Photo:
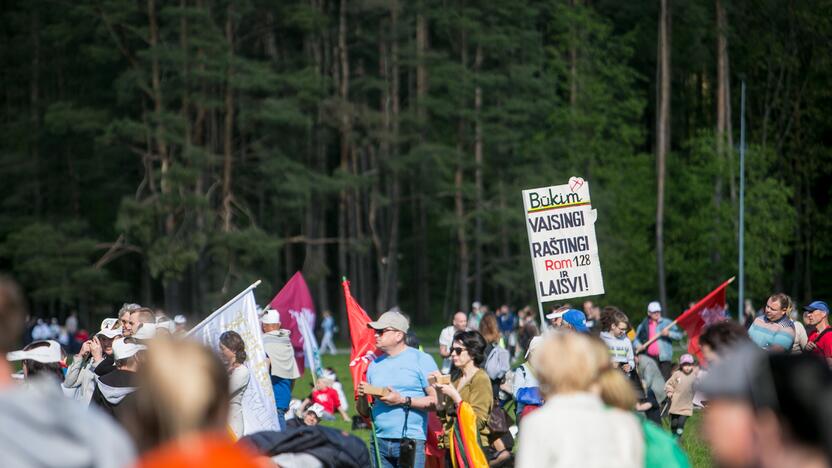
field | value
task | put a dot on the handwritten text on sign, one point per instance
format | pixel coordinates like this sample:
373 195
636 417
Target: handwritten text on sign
561 226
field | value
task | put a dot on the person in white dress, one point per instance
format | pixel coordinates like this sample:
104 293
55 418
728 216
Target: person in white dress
233 352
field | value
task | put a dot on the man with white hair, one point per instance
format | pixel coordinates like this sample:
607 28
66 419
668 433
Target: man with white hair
284 369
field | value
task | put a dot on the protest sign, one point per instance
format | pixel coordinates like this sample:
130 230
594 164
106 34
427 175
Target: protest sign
240 315
561 226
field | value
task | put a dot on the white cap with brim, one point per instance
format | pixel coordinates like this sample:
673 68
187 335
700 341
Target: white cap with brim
391 319
123 350
316 408
45 354
270 317
108 323
145 332
654 307
109 332
180 320
556 314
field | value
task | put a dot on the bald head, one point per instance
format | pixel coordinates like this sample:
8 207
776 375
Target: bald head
460 321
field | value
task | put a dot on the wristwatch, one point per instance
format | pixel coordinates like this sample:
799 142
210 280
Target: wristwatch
407 402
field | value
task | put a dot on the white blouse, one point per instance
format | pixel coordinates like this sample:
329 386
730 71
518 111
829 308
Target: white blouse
238 381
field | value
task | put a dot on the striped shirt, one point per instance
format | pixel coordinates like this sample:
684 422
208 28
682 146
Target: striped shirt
766 333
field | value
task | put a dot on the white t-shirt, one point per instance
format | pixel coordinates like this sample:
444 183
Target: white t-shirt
446 339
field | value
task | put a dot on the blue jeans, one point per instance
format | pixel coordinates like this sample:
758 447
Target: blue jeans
388 450
281 417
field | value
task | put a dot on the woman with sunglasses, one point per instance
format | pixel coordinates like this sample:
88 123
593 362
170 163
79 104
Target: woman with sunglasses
470 385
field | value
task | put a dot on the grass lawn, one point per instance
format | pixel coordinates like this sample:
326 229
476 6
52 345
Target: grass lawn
692 443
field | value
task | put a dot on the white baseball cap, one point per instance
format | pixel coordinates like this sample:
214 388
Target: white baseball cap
556 314
123 350
654 307
45 354
108 323
180 320
316 408
109 332
145 332
271 316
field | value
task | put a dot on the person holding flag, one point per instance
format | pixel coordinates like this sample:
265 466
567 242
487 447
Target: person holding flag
400 417
284 369
655 336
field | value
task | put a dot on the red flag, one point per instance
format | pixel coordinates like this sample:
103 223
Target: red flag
710 309
295 297
363 339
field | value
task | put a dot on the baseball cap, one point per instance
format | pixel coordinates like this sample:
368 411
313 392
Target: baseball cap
391 319
654 307
123 350
577 319
145 332
817 305
180 320
317 409
108 323
45 354
686 359
271 316
109 332
556 314
534 344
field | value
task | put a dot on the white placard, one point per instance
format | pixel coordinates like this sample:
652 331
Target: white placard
561 225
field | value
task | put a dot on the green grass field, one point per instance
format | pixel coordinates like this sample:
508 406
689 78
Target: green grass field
692 442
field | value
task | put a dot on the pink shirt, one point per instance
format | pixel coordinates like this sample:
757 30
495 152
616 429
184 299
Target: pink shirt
653 349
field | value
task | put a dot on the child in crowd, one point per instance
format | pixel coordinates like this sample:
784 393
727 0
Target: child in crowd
615 337
679 389
326 396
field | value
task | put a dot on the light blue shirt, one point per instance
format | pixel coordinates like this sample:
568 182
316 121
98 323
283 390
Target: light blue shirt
406 373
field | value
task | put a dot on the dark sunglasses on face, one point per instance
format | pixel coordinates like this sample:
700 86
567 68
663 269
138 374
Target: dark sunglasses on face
383 331
457 350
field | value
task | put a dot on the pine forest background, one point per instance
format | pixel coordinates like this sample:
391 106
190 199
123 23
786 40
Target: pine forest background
172 152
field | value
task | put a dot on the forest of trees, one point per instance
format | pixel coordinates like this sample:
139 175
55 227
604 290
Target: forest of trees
172 152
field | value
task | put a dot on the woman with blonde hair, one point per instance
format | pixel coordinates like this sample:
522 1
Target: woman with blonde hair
579 382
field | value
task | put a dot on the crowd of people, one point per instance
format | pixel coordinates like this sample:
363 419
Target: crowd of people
586 388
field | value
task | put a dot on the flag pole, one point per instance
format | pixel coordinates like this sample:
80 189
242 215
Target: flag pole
225 306
657 336
741 260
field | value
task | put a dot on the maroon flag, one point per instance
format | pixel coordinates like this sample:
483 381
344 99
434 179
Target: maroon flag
294 303
362 337
710 309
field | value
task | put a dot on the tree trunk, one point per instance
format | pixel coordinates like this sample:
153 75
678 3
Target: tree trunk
662 139
422 265
478 189
228 134
34 110
342 73
459 206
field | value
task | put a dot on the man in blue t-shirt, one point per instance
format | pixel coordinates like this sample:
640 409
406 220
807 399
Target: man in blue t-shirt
403 371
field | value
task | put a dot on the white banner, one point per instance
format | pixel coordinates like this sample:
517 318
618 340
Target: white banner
310 344
561 225
240 315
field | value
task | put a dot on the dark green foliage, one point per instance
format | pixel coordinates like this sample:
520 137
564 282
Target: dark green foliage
123 179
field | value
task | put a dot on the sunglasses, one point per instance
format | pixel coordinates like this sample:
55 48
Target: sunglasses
457 350
385 330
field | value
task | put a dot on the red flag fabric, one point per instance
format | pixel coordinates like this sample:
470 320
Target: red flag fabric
708 310
363 339
295 297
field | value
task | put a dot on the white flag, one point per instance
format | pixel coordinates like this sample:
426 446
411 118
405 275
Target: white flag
240 315
310 344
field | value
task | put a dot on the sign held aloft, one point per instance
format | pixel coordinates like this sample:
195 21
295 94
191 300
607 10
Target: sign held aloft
561 225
